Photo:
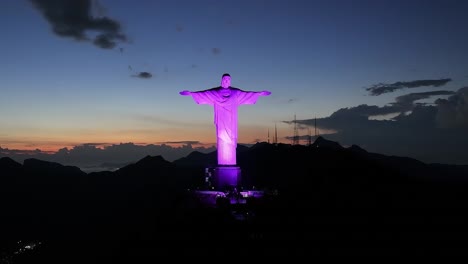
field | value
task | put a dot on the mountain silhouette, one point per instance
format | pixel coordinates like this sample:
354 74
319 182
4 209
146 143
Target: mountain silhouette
357 149
148 163
321 142
8 163
9 167
47 167
198 159
338 199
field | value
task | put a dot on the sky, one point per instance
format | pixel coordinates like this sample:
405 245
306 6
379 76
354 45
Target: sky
389 76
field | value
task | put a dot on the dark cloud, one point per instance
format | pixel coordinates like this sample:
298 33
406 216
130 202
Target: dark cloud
365 111
187 142
286 100
216 51
408 100
104 41
299 124
381 88
73 18
453 111
94 144
179 28
428 132
143 75
100 9
402 104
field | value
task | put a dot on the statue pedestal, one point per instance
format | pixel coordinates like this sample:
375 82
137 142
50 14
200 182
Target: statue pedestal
226 177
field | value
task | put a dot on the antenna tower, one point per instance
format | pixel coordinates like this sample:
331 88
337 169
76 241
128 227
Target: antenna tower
315 125
296 133
275 139
268 136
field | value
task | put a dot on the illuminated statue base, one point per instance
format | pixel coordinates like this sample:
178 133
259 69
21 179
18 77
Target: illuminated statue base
223 188
226 177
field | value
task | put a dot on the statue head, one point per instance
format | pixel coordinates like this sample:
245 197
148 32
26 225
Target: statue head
226 80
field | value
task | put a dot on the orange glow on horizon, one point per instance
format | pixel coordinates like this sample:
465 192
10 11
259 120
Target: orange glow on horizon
52 147
248 134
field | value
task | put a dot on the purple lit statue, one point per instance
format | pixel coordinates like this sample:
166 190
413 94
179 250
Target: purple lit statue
225 100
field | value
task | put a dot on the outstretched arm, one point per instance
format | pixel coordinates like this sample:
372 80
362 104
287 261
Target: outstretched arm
248 97
201 97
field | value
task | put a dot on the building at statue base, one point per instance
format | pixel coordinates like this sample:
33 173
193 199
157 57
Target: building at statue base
223 187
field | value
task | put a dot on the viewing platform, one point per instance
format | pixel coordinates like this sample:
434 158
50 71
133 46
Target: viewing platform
215 198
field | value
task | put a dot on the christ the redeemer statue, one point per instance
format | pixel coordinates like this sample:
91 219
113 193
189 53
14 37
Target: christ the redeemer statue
225 100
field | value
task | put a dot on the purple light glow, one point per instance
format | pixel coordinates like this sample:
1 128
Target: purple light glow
227 176
225 100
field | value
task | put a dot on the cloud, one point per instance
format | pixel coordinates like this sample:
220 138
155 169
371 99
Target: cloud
365 111
299 124
143 75
72 19
186 142
300 138
179 28
453 111
428 132
381 88
94 144
229 22
408 100
216 51
286 100
402 104
88 156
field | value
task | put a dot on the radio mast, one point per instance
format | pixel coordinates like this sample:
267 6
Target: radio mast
296 132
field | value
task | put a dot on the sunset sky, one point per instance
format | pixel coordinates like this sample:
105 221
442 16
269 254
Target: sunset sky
109 72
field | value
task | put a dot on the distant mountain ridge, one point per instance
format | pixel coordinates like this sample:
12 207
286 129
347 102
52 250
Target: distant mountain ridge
199 159
324 190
